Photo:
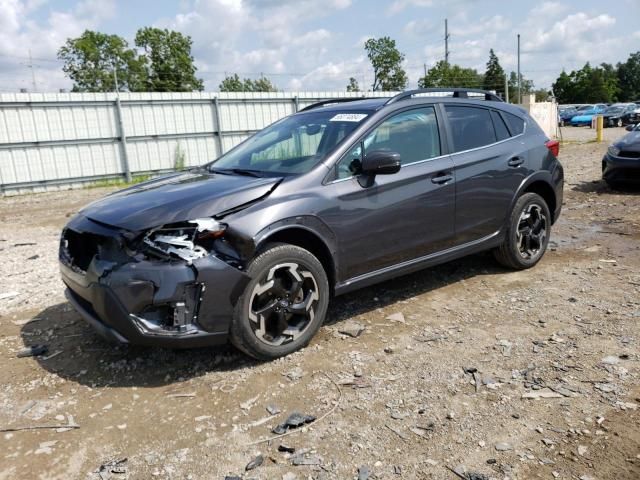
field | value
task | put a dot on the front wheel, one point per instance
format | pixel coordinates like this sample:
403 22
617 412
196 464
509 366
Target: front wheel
527 236
283 305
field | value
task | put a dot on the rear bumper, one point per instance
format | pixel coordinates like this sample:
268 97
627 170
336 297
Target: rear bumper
155 303
621 170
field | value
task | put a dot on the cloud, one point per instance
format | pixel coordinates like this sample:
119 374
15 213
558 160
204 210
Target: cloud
419 28
280 45
399 5
21 34
483 26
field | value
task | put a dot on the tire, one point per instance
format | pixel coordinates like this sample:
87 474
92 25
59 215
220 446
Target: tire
525 240
612 184
283 305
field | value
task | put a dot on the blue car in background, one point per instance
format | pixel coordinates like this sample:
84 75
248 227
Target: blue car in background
585 115
565 115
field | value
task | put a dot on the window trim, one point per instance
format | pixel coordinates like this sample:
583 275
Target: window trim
442 136
524 130
504 119
493 113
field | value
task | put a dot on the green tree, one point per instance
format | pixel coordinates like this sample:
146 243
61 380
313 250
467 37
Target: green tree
563 89
588 85
353 85
526 86
169 62
232 83
386 61
542 95
262 84
494 76
629 78
444 74
90 60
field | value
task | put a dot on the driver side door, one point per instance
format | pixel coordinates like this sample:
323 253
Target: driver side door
399 217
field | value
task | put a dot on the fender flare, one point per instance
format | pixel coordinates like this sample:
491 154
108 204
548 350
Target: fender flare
543 176
308 223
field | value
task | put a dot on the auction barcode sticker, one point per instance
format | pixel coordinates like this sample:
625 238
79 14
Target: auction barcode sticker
348 117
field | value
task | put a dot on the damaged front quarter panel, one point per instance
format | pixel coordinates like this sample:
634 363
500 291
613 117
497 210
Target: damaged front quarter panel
168 283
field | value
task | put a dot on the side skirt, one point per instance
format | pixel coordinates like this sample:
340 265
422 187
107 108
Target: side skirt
420 263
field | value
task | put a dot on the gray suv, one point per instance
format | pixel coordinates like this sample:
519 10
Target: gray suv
343 194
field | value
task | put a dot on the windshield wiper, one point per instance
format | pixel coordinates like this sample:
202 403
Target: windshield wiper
237 171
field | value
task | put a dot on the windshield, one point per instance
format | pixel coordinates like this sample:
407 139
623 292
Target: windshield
614 110
292 145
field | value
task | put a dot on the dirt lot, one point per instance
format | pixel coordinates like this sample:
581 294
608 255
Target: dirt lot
399 401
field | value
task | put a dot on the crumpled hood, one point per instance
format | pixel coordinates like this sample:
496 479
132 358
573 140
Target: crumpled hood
177 197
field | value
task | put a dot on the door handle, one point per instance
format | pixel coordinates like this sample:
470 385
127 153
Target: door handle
515 161
442 178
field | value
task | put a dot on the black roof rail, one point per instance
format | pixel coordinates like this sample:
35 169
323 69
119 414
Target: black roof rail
329 102
456 93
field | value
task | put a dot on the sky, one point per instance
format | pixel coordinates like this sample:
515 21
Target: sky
317 45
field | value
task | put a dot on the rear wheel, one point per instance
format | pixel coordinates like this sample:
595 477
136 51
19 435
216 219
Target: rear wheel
284 304
527 233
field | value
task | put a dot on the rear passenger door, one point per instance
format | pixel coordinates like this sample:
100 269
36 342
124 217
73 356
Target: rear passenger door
490 162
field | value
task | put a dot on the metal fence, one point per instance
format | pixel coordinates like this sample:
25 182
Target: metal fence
53 141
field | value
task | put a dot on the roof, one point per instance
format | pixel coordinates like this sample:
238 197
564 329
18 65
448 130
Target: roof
374 104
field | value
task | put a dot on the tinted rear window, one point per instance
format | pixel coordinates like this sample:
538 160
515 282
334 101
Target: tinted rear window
515 124
471 127
501 129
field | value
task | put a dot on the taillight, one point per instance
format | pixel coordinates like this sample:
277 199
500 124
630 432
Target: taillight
553 146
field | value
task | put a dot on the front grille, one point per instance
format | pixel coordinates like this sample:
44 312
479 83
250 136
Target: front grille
629 154
78 249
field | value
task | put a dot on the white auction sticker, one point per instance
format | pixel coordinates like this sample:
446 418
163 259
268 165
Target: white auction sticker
348 117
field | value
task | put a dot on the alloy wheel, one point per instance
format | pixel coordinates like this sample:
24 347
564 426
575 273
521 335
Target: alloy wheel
283 304
532 231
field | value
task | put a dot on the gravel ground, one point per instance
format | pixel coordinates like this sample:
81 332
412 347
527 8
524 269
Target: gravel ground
465 367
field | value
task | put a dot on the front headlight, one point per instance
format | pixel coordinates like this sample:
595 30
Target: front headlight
613 150
185 240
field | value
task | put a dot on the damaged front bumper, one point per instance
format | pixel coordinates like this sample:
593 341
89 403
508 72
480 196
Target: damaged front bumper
145 301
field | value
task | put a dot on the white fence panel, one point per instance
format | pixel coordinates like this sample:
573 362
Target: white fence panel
53 141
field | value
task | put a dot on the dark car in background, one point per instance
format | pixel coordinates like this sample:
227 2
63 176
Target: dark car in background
341 195
634 117
619 115
621 163
566 114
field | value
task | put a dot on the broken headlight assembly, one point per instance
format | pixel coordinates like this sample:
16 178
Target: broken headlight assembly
188 240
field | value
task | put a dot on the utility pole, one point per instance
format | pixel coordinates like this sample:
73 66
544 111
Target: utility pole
425 69
519 77
506 88
115 77
33 73
446 41
123 135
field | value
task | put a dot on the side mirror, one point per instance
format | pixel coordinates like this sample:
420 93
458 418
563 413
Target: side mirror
629 128
380 162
